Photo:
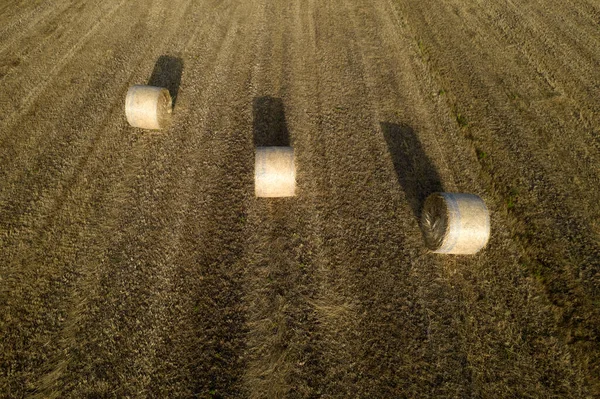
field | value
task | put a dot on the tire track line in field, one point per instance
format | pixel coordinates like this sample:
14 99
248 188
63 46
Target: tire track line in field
56 138
39 40
21 168
540 141
575 52
9 5
61 154
43 230
64 60
351 178
68 337
329 313
33 62
499 128
119 114
164 286
567 108
21 162
426 285
487 269
208 329
283 339
559 119
17 22
271 336
336 312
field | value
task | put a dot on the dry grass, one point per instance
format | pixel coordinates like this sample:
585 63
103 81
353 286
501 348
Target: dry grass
138 265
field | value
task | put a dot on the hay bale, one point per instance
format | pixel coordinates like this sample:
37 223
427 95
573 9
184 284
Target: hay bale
148 107
455 223
274 172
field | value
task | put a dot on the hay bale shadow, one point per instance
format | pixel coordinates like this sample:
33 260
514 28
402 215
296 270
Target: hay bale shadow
269 126
167 73
417 175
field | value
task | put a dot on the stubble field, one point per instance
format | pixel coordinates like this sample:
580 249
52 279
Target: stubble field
140 264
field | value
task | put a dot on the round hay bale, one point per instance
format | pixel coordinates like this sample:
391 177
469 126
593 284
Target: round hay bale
274 172
148 107
455 223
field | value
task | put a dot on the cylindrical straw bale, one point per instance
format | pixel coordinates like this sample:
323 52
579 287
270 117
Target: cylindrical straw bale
455 223
148 107
274 172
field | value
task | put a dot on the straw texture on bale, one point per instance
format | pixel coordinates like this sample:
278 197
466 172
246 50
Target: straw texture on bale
455 223
148 107
274 172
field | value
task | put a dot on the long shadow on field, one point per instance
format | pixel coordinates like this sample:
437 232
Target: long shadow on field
416 173
167 73
270 128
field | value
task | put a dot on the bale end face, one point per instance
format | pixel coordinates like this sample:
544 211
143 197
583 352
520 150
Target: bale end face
274 172
148 107
455 223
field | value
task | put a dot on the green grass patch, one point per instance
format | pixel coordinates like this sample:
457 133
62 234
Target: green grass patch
481 155
461 120
511 200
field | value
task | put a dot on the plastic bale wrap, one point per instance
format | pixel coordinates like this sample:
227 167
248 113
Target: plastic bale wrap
455 223
148 107
274 172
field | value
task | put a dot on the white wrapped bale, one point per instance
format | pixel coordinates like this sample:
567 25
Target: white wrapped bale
455 223
148 107
274 172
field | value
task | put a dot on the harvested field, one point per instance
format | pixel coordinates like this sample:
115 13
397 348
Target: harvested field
140 264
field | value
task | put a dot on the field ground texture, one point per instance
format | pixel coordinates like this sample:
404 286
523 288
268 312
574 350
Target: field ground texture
139 264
